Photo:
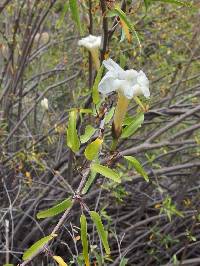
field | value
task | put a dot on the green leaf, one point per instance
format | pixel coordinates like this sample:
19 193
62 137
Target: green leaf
62 15
95 92
85 111
122 60
8 264
132 127
89 132
72 136
123 262
101 231
105 171
109 115
117 11
84 240
55 210
92 150
89 182
36 246
138 167
147 3
73 4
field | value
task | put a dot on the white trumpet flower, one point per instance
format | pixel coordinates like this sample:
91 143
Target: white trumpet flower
45 104
128 84
92 43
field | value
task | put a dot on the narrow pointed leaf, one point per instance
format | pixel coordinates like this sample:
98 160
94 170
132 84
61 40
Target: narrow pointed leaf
60 261
105 171
84 240
126 30
123 262
103 234
55 210
138 167
89 132
73 4
36 246
92 150
73 141
62 15
109 115
147 3
95 92
133 126
123 17
89 182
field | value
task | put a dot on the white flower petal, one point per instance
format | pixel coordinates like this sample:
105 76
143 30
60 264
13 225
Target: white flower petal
131 75
112 66
130 82
144 83
128 90
106 85
90 42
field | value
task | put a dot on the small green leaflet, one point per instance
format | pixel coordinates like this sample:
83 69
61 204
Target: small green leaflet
89 182
36 246
8 264
95 92
133 126
73 4
103 234
138 167
92 149
73 141
89 132
105 171
84 240
55 210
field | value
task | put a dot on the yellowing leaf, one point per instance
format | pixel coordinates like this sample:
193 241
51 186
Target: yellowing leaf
60 261
126 30
92 149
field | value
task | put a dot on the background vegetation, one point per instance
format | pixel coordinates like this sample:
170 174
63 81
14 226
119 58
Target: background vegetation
148 223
